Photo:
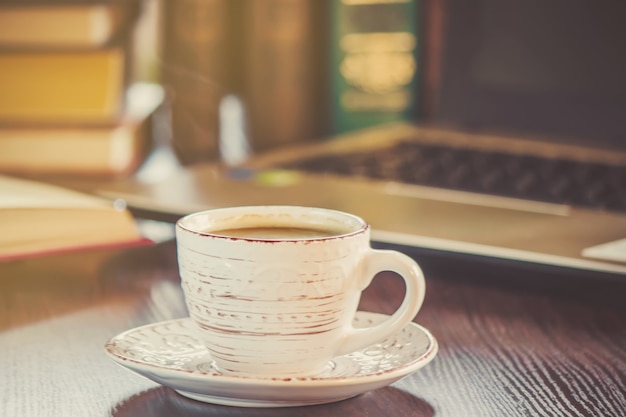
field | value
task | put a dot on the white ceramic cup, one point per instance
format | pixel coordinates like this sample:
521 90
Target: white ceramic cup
283 307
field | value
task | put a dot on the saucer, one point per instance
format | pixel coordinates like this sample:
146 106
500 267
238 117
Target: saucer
170 353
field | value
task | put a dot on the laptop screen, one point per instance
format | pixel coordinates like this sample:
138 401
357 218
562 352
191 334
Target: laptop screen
551 68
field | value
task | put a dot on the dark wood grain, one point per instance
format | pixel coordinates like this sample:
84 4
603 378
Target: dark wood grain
514 341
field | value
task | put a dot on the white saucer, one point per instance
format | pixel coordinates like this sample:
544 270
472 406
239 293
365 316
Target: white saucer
170 354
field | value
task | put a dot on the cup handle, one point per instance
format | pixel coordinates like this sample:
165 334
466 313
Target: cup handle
387 260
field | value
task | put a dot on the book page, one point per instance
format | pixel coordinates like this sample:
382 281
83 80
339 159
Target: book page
21 193
610 251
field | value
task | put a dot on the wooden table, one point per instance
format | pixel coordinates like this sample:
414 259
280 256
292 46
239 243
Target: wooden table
514 340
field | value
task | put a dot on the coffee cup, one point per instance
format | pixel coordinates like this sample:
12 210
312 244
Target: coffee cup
273 290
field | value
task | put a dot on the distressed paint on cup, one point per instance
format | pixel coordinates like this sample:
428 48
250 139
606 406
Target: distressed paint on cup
284 307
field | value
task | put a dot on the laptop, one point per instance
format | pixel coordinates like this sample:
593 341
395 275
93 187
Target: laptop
590 235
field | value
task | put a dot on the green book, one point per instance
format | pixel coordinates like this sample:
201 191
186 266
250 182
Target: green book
374 68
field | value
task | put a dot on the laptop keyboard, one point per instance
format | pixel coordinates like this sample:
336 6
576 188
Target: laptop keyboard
590 185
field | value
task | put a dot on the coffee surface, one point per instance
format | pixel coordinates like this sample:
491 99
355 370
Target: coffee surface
277 232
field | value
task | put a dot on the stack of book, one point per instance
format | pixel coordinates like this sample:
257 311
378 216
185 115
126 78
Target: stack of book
303 69
67 101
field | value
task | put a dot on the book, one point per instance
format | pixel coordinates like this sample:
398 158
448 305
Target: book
64 23
195 71
38 219
432 27
374 68
116 147
85 85
284 85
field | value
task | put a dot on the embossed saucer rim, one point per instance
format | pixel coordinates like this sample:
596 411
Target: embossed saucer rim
395 373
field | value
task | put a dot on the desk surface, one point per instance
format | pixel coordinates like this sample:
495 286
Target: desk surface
512 342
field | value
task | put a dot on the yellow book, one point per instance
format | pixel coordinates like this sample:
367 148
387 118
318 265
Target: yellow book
62 86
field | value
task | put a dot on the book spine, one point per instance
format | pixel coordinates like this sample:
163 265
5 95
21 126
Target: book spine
195 73
49 86
66 25
374 68
432 26
283 85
